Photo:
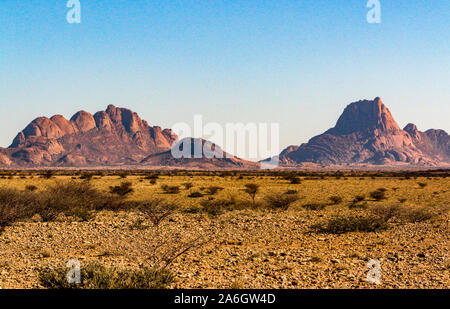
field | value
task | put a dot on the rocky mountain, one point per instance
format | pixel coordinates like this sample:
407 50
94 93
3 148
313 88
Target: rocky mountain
197 153
366 133
116 136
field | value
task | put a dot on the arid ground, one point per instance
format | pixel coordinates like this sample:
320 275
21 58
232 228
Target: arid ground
316 230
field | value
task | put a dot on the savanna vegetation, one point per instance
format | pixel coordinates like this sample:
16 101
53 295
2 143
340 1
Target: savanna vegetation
164 221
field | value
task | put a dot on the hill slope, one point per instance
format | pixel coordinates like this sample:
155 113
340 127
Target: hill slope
366 132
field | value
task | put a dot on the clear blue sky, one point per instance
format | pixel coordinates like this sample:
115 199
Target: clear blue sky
294 62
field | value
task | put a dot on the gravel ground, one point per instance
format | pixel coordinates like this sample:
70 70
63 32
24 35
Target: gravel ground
246 249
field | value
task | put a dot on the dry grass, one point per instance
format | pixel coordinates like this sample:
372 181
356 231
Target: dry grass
243 212
96 276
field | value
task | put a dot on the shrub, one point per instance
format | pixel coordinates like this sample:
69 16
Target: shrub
188 185
212 190
195 195
422 184
216 207
70 198
402 213
295 181
358 206
123 175
314 206
48 174
386 212
291 192
76 199
157 210
335 200
378 195
124 189
151 177
359 198
416 215
31 188
345 224
138 224
87 176
15 205
97 276
170 189
252 189
281 201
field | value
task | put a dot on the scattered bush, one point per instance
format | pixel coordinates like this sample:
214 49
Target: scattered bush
358 206
188 185
291 192
170 189
359 198
345 224
157 210
74 199
195 195
402 213
87 176
314 206
335 200
215 207
212 190
378 195
422 184
124 189
252 189
96 276
77 199
296 181
15 205
280 201
48 174
417 215
31 188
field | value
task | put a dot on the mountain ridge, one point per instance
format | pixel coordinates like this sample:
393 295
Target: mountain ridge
366 133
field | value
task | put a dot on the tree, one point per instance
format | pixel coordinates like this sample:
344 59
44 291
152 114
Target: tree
252 189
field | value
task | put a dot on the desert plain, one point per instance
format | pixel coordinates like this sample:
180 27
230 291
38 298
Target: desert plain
232 229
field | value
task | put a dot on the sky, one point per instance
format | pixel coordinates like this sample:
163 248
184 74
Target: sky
296 63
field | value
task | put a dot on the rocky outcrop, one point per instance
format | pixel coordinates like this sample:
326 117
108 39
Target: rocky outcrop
116 136
367 133
195 153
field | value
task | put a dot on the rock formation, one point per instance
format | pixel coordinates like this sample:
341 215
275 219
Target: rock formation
367 133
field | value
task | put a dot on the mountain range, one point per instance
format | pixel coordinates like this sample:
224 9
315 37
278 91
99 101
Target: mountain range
366 133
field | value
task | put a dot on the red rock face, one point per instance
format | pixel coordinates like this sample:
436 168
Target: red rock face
113 137
366 132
